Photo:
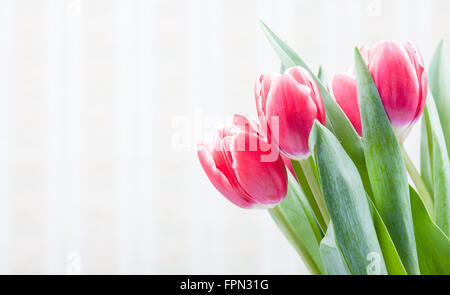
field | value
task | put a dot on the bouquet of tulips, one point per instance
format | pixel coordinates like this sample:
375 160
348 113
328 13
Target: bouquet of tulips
328 162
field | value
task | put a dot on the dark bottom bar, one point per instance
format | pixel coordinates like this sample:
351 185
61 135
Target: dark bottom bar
202 284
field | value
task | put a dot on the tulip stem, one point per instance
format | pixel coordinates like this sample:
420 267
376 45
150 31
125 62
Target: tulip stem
418 182
308 170
308 193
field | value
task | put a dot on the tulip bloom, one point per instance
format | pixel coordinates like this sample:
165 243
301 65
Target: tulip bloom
399 75
287 106
234 162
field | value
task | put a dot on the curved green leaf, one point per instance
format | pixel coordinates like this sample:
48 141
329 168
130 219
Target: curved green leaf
394 264
346 201
439 83
440 165
425 156
296 220
322 77
433 247
385 167
332 257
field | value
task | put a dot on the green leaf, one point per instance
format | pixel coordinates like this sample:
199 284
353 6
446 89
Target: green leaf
346 201
296 221
440 167
394 264
433 247
282 68
332 257
418 182
322 77
385 167
425 157
439 83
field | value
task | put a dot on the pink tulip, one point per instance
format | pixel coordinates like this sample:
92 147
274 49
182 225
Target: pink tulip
344 90
287 106
399 75
234 162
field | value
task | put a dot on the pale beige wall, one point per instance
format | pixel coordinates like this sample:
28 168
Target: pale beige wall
94 174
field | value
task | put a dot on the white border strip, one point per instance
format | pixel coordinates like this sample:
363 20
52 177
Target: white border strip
74 135
5 130
126 82
53 99
146 241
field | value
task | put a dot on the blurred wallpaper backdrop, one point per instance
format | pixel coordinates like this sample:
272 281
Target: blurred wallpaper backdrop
102 103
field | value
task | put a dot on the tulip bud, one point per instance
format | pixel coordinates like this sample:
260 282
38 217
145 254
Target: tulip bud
399 75
287 106
234 161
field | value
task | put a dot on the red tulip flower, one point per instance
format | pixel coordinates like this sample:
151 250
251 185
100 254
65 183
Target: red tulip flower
287 106
399 75
243 166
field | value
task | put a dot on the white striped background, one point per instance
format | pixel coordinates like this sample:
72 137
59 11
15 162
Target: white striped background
91 97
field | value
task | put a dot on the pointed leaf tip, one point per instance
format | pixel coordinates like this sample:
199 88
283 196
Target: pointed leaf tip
358 58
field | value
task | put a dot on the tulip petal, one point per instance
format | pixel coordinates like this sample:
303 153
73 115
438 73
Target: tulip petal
262 88
302 76
221 153
416 59
245 124
219 180
344 90
265 182
291 103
